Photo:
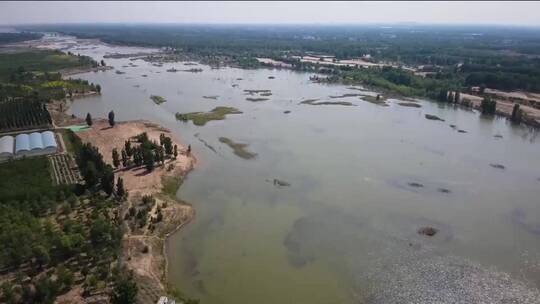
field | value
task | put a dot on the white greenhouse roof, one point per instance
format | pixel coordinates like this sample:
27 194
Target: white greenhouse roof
48 139
35 141
22 143
6 144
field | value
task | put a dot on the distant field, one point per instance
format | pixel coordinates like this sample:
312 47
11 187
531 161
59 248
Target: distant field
40 60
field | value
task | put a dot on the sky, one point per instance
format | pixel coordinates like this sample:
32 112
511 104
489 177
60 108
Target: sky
451 12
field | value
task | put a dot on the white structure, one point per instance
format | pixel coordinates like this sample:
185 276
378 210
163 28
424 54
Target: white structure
29 144
165 300
22 144
6 147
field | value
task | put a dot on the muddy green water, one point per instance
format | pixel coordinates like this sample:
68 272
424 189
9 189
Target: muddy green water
349 170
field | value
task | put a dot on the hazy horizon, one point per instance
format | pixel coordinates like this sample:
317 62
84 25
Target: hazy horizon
272 13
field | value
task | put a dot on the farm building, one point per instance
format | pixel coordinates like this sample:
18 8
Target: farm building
34 144
6 147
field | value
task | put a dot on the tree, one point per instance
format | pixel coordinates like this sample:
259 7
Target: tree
457 97
120 191
125 291
175 153
160 155
450 98
42 255
107 180
127 146
64 277
115 158
488 106
148 159
90 174
124 158
111 118
89 119
167 144
102 62
98 88
517 114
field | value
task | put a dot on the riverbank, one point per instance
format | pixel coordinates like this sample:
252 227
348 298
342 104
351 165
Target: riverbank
144 248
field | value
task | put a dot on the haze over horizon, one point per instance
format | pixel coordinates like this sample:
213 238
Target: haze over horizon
208 12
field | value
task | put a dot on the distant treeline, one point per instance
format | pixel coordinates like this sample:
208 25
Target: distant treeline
505 58
18 37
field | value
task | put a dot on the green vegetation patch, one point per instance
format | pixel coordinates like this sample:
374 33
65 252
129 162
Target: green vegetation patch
378 100
239 149
41 61
410 104
257 99
171 185
213 97
201 118
157 99
314 102
26 179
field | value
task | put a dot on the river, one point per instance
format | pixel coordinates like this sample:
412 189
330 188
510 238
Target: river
363 180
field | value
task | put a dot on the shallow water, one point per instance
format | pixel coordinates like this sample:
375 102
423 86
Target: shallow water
350 210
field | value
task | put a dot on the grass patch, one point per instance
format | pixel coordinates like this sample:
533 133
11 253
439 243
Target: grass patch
171 185
409 104
239 149
26 179
214 97
378 100
201 118
314 102
157 99
256 99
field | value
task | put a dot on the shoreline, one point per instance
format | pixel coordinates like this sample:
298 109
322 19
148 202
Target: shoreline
180 213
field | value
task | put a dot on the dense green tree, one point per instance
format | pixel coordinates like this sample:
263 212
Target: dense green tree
89 119
125 158
488 106
120 191
107 180
457 97
115 158
517 114
111 119
127 147
90 174
148 159
125 291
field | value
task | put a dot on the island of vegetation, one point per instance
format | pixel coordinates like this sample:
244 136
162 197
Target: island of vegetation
157 99
239 149
201 118
314 102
